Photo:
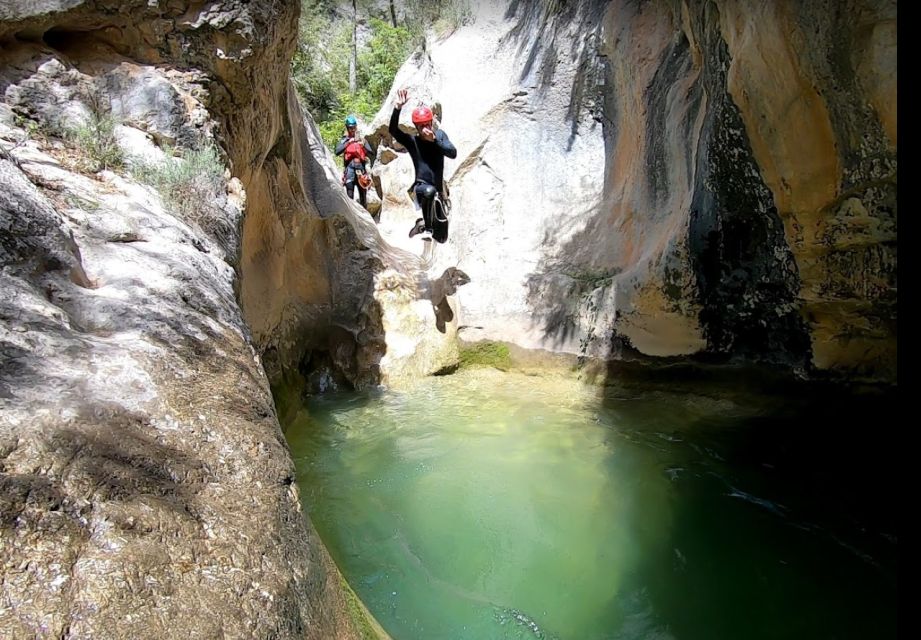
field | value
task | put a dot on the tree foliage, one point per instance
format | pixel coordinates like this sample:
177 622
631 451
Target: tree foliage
379 62
320 68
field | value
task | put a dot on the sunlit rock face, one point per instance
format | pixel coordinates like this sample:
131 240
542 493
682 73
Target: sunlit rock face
146 490
669 180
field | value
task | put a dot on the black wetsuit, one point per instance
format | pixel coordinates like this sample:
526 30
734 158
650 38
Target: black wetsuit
428 161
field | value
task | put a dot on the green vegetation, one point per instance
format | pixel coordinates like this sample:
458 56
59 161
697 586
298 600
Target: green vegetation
320 67
486 354
95 141
357 612
191 184
441 16
91 142
30 126
379 62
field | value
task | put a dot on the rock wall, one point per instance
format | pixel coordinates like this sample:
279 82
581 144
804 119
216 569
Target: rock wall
146 489
670 180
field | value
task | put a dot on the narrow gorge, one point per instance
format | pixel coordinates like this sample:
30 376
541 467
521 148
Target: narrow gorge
673 236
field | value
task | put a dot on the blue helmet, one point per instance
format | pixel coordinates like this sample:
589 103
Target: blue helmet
351 121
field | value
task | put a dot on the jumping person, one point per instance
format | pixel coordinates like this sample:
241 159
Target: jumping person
428 149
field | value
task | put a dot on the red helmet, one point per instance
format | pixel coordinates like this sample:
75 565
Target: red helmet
422 114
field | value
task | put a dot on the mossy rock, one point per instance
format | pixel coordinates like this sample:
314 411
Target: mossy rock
486 354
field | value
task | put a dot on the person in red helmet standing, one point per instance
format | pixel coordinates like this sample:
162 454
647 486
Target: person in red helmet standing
428 150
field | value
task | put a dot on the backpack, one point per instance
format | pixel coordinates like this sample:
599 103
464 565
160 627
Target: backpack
355 150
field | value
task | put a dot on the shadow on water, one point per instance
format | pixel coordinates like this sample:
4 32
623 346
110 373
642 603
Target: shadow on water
783 517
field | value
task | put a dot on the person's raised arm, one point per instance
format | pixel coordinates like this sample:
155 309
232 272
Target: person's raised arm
403 138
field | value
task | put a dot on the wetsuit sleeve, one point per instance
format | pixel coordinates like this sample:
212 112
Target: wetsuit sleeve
441 139
341 146
403 138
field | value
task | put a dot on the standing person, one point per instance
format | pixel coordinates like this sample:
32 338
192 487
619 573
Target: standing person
428 150
355 160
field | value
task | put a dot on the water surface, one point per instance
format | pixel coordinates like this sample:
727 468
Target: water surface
489 505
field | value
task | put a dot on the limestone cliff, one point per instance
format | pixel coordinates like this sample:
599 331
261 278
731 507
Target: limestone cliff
671 180
145 486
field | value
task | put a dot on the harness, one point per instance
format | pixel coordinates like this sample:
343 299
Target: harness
443 196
